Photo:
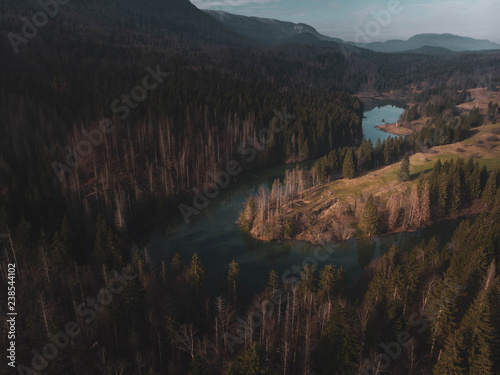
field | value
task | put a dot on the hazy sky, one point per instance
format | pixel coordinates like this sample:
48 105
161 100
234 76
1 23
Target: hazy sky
338 18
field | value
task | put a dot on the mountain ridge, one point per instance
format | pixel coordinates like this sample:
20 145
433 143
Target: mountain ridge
269 31
448 41
266 31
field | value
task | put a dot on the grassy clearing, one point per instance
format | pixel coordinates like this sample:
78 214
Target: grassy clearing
383 181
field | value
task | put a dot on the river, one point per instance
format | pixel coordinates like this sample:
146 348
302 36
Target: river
218 240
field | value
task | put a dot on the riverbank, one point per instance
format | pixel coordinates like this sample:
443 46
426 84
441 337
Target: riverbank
395 129
331 212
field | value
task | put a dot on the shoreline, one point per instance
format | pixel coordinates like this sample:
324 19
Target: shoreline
472 211
395 130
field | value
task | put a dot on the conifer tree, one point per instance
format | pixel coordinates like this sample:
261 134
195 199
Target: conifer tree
177 266
326 281
368 222
404 170
339 349
475 182
233 277
59 253
479 335
349 168
456 192
249 362
387 152
442 200
331 281
365 160
196 273
490 189
273 282
450 362
248 215
440 311
308 279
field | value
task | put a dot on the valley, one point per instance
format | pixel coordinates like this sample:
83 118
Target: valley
214 188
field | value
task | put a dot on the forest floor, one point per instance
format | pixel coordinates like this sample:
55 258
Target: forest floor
333 207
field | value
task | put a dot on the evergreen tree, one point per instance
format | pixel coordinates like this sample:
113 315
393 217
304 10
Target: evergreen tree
273 282
177 266
368 222
450 361
437 168
59 253
196 273
365 160
442 200
475 182
308 279
490 189
387 152
114 250
248 215
339 349
479 336
440 311
331 281
349 168
233 277
326 280
250 362
404 170
456 191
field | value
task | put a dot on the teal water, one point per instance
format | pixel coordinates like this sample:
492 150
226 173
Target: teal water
216 237
373 118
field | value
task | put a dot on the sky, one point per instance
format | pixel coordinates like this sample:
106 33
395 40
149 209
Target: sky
378 20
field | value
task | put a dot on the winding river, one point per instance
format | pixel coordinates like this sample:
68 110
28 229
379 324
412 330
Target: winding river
218 240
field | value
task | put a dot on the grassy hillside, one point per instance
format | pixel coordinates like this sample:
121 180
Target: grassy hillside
337 205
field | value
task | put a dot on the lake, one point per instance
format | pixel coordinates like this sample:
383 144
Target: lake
218 240
389 113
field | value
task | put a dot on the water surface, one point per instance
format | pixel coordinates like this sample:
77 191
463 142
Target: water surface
378 116
216 237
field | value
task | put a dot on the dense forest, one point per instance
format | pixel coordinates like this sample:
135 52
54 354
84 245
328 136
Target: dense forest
430 310
113 112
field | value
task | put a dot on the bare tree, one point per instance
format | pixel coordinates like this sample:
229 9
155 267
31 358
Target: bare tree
185 339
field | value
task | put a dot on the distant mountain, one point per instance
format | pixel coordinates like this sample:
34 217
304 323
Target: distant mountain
310 40
448 41
265 30
435 51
